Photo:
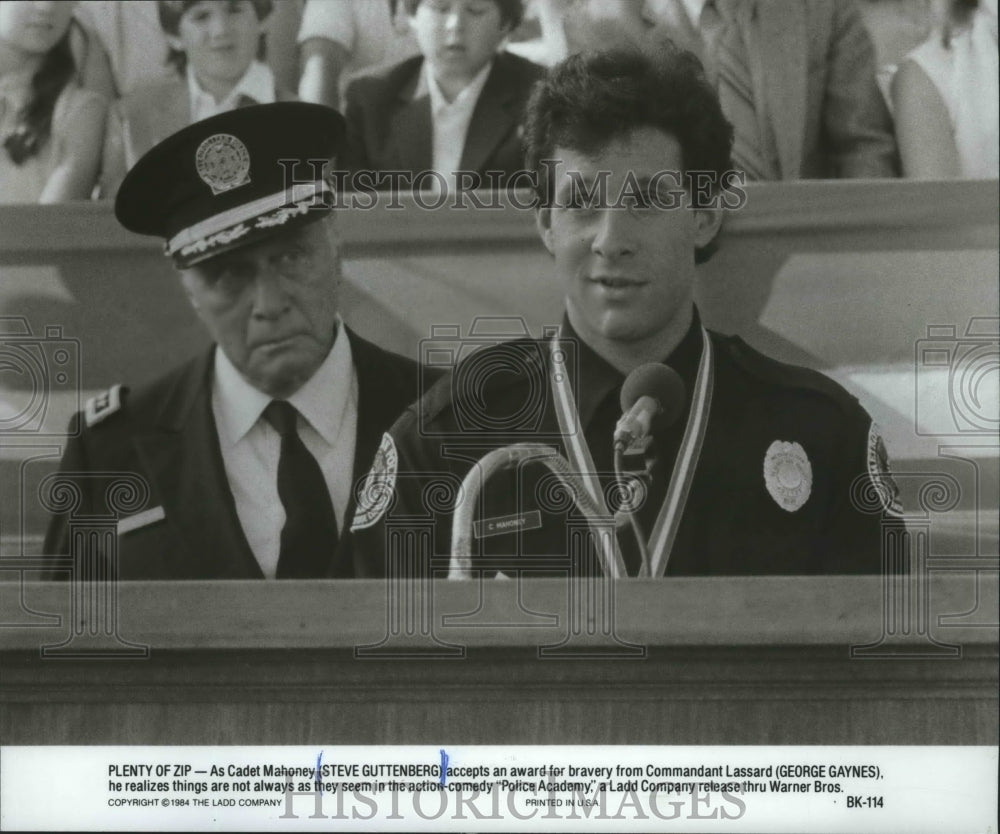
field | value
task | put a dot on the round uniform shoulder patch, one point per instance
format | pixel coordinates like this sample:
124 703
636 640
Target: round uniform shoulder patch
878 471
377 490
223 162
787 474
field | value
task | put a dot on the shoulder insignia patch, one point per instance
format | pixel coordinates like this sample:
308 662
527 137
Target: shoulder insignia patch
379 486
787 475
103 405
878 471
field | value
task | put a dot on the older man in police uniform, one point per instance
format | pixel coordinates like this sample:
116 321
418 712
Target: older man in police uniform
766 468
249 452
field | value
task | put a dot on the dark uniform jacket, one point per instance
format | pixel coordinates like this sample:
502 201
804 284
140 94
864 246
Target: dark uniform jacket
388 129
165 433
732 524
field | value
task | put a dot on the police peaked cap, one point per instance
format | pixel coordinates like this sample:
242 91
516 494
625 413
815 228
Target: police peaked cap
234 178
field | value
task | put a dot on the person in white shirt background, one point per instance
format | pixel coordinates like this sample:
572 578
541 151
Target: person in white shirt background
339 39
945 97
217 49
455 107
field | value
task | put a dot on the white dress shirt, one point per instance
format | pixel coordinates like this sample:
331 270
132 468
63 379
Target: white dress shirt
450 121
965 76
251 447
257 82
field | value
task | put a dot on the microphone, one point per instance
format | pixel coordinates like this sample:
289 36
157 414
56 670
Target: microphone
652 397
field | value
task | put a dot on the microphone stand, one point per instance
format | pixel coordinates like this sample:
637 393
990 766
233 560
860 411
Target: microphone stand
502 458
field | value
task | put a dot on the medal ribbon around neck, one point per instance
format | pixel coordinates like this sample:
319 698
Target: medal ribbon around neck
578 452
661 540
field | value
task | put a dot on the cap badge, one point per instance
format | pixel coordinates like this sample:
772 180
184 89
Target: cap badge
379 487
787 474
223 163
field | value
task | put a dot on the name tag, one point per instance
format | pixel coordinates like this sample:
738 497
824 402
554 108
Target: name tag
507 524
143 519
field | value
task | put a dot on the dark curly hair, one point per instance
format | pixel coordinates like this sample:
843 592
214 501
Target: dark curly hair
170 14
592 98
511 11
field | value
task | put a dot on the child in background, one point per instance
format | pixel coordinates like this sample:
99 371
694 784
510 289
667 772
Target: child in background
51 129
217 49
455 107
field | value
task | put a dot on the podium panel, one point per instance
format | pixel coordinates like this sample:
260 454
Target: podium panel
781 660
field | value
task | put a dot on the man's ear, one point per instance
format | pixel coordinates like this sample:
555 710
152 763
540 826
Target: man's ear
175 43
707 222
543 222
188 282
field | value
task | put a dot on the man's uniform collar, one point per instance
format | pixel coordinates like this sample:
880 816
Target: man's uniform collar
596 378
322 400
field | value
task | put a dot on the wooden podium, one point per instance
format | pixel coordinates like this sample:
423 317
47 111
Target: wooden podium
784 660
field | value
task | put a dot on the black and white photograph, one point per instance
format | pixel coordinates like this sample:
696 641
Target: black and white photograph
490 415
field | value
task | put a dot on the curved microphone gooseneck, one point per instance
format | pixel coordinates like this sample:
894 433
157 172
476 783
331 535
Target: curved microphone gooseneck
506 457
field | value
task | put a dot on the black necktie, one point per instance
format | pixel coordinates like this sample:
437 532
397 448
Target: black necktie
309 537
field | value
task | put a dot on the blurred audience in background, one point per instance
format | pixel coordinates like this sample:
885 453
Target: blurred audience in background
134 44
50 126
896 27
799 80
457 106
945 97
340 38
133 48
217 49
